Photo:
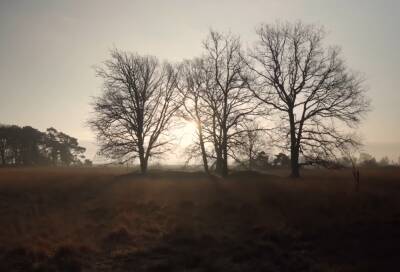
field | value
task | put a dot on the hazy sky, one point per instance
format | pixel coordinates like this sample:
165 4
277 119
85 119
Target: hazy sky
48 50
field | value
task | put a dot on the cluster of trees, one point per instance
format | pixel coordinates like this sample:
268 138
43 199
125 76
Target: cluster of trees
28 146
289 80
365 160
263 161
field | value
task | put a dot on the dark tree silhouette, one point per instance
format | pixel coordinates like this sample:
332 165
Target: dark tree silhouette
310 85
21 146
281 160
31 142
193 85
62 148
3 145
230 103
250 145
136 108
29 146
262 160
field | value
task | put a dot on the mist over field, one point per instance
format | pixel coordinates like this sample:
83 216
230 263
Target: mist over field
379 150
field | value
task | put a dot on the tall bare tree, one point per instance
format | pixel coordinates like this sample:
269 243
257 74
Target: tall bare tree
228 99
193 84
310 85
136 108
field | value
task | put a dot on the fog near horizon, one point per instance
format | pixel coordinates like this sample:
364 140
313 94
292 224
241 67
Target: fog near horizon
48 50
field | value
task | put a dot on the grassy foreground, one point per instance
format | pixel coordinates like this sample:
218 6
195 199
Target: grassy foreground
108 220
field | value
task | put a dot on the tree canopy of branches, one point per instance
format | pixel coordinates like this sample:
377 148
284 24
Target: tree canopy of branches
288 75
29 146
194 82
136 108
216 97
229 100
315 95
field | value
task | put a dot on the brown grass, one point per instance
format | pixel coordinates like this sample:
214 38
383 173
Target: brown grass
108 220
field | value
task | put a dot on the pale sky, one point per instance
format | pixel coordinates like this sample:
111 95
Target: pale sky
48 49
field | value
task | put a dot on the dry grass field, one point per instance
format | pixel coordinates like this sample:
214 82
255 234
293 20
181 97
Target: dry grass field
109 220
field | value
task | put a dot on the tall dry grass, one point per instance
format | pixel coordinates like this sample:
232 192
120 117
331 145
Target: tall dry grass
112 214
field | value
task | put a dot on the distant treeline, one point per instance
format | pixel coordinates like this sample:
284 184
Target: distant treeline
368 161
263 161
28 146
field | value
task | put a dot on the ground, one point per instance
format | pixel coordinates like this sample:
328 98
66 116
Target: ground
110 220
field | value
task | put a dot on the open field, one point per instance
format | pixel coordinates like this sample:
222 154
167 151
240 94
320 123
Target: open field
109 220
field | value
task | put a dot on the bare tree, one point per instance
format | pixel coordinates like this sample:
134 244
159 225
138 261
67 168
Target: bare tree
250 144
310 85
228 99
134 112
348 155
193 84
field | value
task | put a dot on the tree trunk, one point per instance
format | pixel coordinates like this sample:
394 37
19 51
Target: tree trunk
224 169
142 158
3 157
203 150
294 163
251 157
224 130
294 149
201 139
143 166
218 163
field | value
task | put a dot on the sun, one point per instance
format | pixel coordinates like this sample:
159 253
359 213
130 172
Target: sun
186 133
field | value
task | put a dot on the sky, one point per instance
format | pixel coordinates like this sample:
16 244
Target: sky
48 50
